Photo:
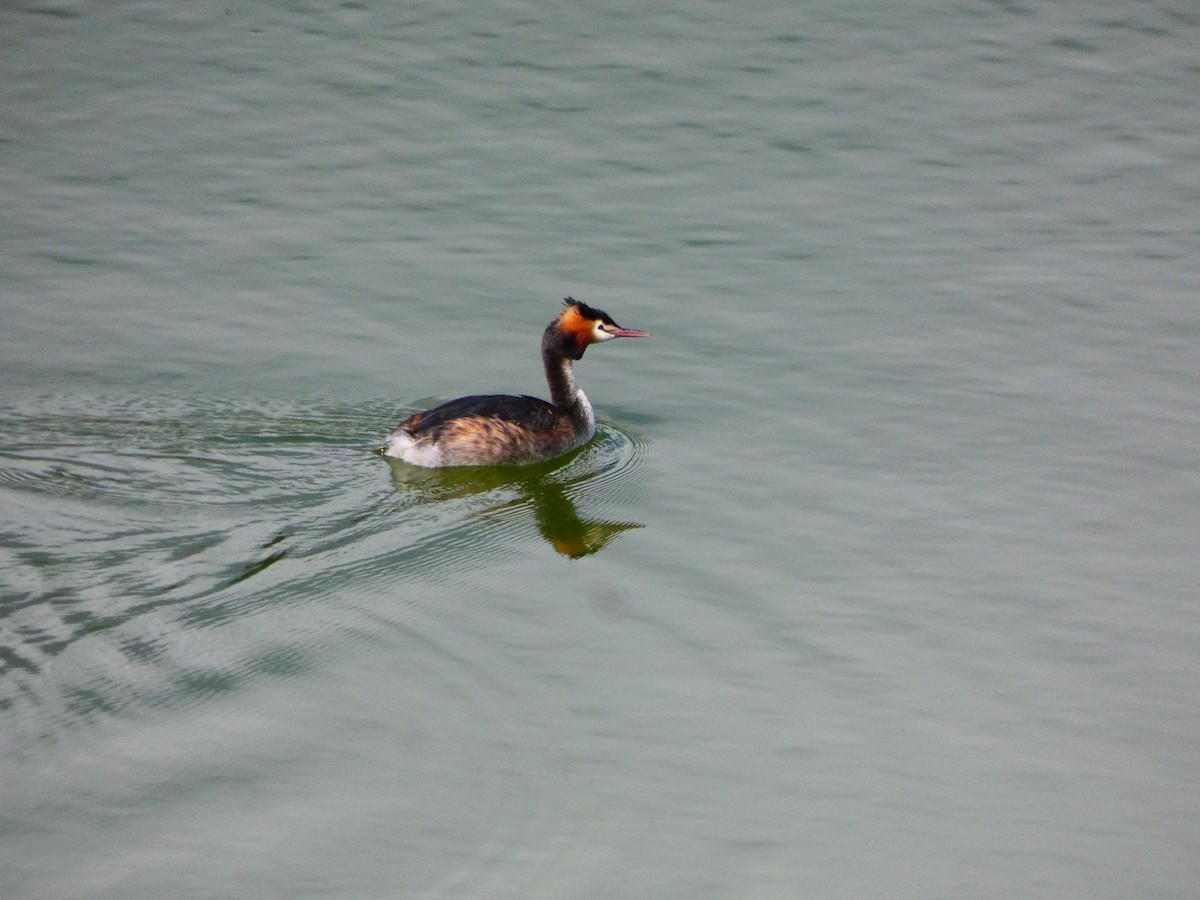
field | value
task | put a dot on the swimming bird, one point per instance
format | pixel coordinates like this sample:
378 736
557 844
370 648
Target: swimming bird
500 429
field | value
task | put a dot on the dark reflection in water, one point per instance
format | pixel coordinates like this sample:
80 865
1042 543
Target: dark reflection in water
541 487
562 527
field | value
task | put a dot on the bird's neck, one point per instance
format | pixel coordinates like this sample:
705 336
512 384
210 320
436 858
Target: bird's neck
565 393
557 356
560 376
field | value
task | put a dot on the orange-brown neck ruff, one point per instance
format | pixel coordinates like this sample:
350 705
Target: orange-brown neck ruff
572 323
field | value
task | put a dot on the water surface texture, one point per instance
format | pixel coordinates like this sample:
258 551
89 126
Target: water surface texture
879 579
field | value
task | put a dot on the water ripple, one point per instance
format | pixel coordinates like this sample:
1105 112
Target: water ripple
162 553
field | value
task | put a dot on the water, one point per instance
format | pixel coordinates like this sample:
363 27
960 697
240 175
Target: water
879 579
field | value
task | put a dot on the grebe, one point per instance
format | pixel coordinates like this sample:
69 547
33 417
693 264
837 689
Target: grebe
499 429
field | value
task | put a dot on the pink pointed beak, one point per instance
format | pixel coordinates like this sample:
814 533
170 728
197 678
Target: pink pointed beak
630 332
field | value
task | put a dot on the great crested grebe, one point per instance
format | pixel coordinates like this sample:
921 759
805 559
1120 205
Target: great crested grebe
499 429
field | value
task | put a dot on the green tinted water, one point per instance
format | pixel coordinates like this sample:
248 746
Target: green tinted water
878 579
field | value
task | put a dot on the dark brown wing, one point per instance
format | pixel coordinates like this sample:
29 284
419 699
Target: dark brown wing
526 412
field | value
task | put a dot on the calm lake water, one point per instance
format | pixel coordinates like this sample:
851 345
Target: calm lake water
879 580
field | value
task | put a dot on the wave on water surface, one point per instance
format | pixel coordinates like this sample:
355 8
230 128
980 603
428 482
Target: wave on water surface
163 552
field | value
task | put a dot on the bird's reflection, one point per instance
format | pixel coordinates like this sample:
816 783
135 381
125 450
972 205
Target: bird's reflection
535 486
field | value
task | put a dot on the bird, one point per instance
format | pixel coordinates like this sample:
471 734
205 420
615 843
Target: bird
502 429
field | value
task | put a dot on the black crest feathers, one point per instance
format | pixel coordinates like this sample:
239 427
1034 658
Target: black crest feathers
589 312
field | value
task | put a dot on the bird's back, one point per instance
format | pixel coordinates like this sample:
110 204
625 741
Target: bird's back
485 429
